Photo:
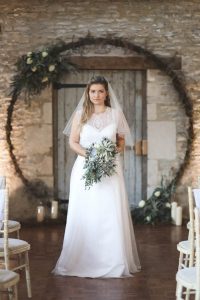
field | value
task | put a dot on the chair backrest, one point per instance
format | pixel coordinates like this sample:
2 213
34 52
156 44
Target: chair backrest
2 182
4 199
191 206
197 234
191 230
196 193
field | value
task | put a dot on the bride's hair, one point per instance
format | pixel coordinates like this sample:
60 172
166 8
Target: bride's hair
88 106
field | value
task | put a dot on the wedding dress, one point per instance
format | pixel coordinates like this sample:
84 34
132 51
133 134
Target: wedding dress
99 238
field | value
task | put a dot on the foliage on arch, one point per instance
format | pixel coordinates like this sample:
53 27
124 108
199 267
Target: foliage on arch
38 69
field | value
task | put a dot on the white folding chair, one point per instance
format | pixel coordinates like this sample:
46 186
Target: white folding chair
15 247
13 226
187 247
8 278
189 277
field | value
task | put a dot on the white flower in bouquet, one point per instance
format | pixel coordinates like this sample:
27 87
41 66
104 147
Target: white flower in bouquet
141 203
100 161
168 204
97 145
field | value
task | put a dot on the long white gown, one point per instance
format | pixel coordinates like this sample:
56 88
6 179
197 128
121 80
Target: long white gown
99 238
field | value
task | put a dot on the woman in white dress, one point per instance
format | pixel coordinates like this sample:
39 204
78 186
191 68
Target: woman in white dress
99 239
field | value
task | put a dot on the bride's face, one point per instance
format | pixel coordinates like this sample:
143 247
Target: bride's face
97 94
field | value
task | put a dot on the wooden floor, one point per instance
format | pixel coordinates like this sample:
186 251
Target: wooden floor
156 281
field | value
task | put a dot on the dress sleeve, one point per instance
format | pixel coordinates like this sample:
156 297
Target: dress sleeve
121 124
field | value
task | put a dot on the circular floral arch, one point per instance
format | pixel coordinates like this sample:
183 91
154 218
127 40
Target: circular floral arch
37 70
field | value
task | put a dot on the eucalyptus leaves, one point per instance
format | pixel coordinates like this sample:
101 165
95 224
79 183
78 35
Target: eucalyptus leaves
100 161
36 70
157 208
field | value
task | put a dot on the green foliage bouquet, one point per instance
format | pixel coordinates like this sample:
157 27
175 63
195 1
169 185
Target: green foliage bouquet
100 161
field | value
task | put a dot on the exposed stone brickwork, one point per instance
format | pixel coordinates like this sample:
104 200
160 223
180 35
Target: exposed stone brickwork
165 27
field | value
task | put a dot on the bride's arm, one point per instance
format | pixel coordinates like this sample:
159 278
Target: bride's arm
120 142
75 137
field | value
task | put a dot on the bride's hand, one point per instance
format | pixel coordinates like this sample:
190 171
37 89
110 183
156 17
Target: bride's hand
74 138
120 143
120 149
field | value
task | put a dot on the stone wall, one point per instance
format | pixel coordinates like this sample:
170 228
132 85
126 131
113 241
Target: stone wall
167 129
166 28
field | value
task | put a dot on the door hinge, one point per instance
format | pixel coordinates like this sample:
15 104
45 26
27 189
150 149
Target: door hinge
140 148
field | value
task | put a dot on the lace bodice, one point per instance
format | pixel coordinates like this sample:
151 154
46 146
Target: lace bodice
101 120
90 134
104 124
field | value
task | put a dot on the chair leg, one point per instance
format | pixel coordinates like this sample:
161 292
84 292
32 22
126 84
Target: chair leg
187 294
15 293
197 295
20 260
179 290
10 293
177 287
28 280
18 237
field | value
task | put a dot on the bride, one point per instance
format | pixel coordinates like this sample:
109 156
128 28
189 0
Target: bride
99 239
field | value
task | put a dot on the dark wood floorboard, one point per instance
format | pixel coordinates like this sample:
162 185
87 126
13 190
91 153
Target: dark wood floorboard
156 281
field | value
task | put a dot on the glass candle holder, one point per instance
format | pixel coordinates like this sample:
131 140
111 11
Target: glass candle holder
179 216
40 213
173 211
54 209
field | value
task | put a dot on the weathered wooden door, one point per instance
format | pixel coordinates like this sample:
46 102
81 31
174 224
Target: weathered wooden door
129 86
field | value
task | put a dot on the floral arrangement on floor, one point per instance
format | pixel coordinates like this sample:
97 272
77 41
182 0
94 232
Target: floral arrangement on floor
157 208
100 161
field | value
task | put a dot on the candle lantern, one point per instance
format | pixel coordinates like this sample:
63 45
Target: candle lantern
179 216
54 209
173 212
40 212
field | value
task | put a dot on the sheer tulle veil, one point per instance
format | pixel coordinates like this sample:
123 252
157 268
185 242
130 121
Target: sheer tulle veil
114 105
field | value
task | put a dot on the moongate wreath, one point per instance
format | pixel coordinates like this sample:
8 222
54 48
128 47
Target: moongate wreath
37 70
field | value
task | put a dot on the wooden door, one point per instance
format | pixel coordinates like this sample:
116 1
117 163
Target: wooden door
129 87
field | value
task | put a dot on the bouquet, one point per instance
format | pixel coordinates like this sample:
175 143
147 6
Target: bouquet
100 161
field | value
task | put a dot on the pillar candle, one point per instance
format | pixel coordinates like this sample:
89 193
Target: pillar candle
173 211
54 209
179 216
40 213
